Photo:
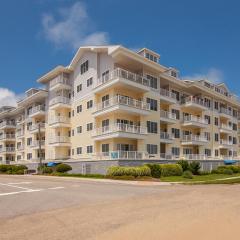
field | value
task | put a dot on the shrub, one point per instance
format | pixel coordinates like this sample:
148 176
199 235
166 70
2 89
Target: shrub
195 167
171 170
47 170
184 164
235 169
62 168
187 174
227 171
204 173
4 168
12 169
155 170
129 171
214 171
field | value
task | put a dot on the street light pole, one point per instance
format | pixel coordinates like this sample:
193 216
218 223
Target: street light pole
40 146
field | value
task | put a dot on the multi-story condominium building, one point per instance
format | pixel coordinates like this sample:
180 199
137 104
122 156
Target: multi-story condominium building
113 103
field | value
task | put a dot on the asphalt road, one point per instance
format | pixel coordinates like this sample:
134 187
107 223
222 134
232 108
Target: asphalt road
34 207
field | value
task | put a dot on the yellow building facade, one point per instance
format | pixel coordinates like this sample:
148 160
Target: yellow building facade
113 103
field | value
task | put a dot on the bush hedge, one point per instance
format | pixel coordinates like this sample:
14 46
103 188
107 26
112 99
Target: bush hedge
63 168
221 169
187 174
12 169
155 170
129 171
171 170
184 164
195 167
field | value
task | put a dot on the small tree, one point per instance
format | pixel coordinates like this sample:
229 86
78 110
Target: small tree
184 164
195 167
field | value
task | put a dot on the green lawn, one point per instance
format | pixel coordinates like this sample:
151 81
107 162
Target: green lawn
205 178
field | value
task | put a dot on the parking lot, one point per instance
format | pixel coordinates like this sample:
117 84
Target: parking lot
35 207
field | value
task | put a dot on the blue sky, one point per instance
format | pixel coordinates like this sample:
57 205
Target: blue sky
200 38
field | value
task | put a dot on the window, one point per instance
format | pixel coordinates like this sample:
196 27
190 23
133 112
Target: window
29 141
89 82
79 150
89 126
176 132
216 153
152 81
177 94
72 132
72 151
29 156
216 105
73 113
216 137
153 104
175 151
90 104
207 135
208 119
105 147
208 152
89 149
79 108
152 127
234 140
29 124
216 121
79 129
177 112
105 75
234 125
207 102
79 87
84 67
152 148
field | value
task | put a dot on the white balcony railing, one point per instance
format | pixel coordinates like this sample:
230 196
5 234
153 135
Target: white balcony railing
195 100
195 119
36 126
123 100
37 142
195 156
59 139
132 155
59 119
20 133
7 136
166 93
60 100
121 73
20 147
168 115
39 108
166 136
194 138
59 80
225 111
7 124
7 149
119 127
226 142
226 127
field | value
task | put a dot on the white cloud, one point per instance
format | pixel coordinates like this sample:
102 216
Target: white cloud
8 98
72 27
213 74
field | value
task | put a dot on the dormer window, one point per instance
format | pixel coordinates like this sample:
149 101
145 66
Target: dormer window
174 74
149 54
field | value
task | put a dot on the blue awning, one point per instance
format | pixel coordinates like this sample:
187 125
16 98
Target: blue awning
51 164
229 162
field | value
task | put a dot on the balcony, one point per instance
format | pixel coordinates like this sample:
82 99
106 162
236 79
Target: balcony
60 82
7 137
119 130
20 120
7 124
7 150
225 113
37 111
60 102
194 122
120 155
194 140
168 117
20 134
194 103
167 96
225 144
166 137
36 127
20 148
122 78
59 121
224 128
60 141
35 144
122 104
